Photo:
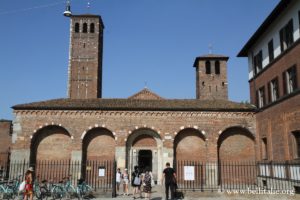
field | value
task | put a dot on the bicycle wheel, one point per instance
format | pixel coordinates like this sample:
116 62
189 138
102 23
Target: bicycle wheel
86 191
71 192
43 193
57 193
37 192
1 192
19 196
9 194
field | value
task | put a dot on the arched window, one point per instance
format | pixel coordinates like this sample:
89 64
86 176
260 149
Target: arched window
207 67
76 27
92 28
217 67
84 29
296 145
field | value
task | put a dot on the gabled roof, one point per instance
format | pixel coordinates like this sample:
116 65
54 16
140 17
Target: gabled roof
145 94
137 105
281 6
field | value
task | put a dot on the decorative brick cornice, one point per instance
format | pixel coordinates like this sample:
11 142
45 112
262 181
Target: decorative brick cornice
136 113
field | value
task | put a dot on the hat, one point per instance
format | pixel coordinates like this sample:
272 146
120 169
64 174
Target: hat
30 169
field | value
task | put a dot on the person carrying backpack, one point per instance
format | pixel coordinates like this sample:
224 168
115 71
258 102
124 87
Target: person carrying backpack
136 181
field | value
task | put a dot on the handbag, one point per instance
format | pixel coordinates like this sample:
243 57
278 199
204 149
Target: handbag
136 180
152 183
22 186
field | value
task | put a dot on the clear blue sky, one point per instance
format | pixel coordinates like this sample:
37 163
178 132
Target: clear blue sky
144 40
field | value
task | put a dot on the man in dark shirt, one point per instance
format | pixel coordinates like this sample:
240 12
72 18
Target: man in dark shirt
170 180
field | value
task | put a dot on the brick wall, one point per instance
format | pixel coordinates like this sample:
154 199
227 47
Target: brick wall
5 139
190 145
276 124
236 145
144 141
99 144
124 123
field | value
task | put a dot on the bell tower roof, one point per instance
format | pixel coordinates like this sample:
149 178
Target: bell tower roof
210 57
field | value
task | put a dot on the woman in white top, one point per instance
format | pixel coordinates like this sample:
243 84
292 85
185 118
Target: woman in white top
125 178
118 180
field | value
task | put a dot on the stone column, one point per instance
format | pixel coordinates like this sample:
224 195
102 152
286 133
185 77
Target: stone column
76 158
120 156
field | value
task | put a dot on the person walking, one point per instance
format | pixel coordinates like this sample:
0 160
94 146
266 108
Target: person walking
118 180
136 182
125 178
29 184
170 181
147 183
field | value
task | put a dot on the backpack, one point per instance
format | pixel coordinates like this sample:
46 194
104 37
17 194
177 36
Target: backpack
136 180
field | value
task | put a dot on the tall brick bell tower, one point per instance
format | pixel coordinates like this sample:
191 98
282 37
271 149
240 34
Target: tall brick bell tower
85 57
211 77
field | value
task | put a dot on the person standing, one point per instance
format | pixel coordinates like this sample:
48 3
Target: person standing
28 184
170 180
136 181
125 178
147 183
118 180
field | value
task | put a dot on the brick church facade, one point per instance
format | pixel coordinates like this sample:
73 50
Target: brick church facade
144 129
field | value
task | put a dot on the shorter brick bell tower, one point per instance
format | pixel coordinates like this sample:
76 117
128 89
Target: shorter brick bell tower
211 77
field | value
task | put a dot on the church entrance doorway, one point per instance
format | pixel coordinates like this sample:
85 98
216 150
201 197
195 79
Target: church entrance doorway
144 149
145 159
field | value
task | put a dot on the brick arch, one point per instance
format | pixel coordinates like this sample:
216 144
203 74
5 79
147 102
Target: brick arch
190 144
236 144
140 137
50 142
98 144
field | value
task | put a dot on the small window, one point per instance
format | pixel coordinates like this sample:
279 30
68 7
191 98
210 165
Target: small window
257 61
273 90
92 28
290 80
207 67
264 148
217 67
76 27
271 51
286 36
261 97
84 29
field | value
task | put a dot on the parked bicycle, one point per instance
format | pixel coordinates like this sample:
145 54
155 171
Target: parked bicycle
83 189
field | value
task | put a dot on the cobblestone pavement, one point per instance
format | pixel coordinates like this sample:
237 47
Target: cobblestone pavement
158 194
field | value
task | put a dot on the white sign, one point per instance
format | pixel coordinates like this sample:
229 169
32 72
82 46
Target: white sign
189 173
101 171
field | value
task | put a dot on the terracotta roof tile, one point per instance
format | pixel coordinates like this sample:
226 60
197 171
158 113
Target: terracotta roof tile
136 104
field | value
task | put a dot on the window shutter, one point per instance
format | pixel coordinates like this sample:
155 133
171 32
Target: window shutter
296 78
281 40
269 92
284 83
257 99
